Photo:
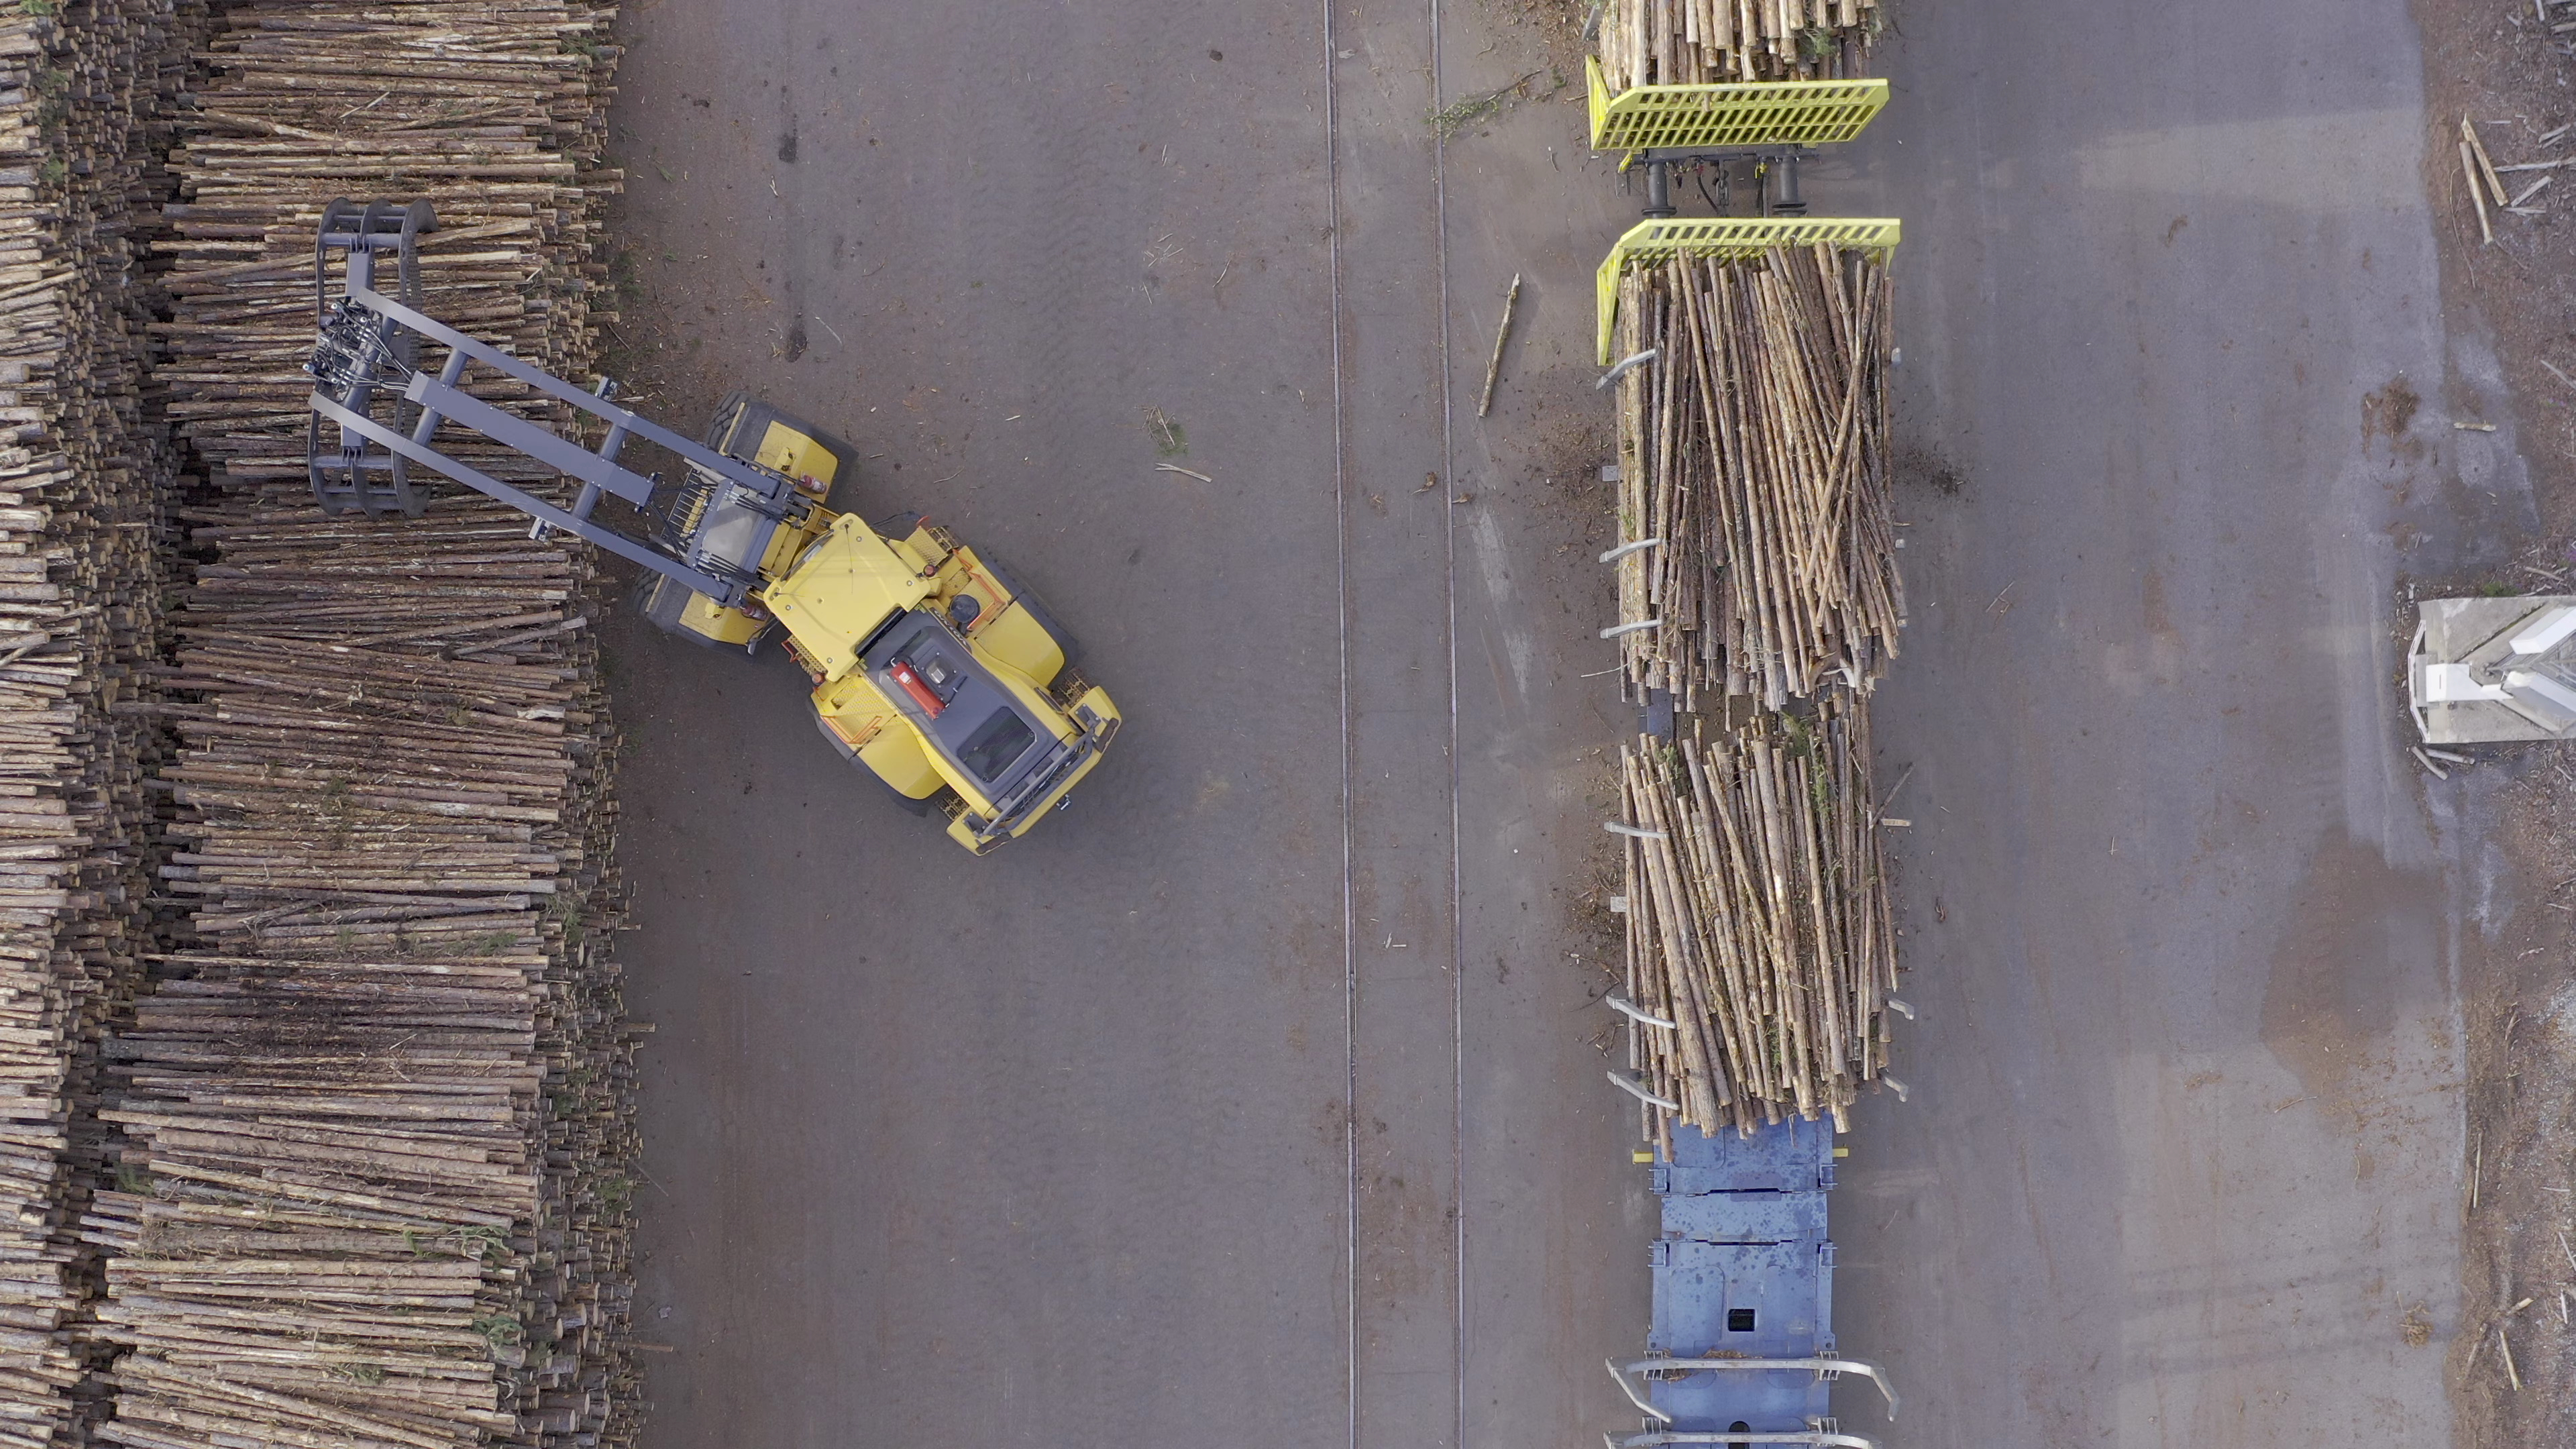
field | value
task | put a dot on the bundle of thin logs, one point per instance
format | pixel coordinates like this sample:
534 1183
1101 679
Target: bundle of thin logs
1754 476
83 476
374 1175
1761 941
1709 42
495 113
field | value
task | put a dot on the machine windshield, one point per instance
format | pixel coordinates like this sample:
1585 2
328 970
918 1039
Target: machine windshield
996 744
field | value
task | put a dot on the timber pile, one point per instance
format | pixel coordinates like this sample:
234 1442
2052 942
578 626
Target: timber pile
379 1142
1760 925
372 1187
495 111
1754 450
83 475
1707 42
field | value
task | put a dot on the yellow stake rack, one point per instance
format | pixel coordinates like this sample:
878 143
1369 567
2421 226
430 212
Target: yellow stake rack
1742 113
1725 236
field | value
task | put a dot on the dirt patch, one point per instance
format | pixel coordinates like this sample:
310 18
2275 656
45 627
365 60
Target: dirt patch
2496 64
2330 993
2519 1272
1557 25
2388 412
1919 467
2491 62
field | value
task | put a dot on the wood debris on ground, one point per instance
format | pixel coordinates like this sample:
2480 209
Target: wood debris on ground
2506 190
1754 455
1705 42
1761 932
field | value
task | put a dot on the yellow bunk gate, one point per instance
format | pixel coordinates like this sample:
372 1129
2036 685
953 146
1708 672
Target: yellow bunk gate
1728 113
1730 237
1711 89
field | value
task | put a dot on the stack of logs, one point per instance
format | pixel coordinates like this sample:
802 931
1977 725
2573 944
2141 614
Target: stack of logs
1708 42
1761 940
1753 452
82 480
379 1152
1757 581
495 113
373 1181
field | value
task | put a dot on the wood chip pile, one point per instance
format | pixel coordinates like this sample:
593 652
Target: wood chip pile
1704 42
82 480
1760 925
371 1178
1754 450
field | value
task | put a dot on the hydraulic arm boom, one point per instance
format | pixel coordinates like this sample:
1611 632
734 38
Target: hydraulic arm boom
387 410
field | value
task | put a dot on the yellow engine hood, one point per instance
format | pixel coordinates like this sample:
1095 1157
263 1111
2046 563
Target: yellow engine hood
846 586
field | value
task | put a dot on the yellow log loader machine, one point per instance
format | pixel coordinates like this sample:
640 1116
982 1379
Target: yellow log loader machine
932 667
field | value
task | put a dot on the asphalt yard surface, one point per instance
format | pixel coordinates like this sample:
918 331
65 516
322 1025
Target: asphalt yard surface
1257 1098
2184 1154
